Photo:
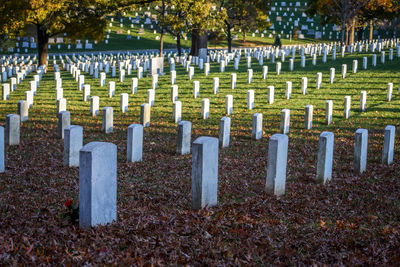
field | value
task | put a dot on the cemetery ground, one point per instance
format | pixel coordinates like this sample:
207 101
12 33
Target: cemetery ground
353 219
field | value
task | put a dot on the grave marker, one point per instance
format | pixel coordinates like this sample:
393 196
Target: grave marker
73 142
135 143
97 184
325 157
205 172
184 137
277 161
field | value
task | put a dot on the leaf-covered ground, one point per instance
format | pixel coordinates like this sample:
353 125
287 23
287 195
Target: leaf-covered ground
353 220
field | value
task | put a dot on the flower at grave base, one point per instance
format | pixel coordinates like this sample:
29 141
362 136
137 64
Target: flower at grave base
68 203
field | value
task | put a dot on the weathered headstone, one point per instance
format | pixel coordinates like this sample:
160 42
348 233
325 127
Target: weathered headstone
205 172
389 92
233 80
86 92
224 131
363 101
111 89
215 85
271 94
319 80
285 121
177 111
97 184
61 105
124 102
265 72
347 106
2 151
174 93
23 110
184 137
308 117
157 65
277 161
64 120
257 127
73 142
134 85
360 150
151 94
145 115
325 157
304 85
13 122
249 76
229 104
332 75
388 145
205 108
196 89
102 79
135 143
29 98
328 112
5 91
94 106
108 120
250 99
288 91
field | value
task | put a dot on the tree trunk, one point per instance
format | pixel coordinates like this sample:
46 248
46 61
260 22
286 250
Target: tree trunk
199 40
229 27
244 37
162 42
360 34
352 30
43 44
178 44
162 29
371 30
343 31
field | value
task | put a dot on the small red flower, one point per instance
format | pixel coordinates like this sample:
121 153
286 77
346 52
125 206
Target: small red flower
68 203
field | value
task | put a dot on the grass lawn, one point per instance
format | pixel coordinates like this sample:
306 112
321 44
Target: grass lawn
354 219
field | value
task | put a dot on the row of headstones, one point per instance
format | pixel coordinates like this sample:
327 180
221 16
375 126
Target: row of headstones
80 78
98 167
61 102
8 88
205 102
129 64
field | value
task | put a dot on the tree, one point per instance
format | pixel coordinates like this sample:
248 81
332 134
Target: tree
342 12
202 16
247 15
379 9
174 20
76 18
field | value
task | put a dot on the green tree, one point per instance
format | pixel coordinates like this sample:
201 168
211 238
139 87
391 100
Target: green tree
202 16
76 18
174 20
246 15
381 10
342 12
